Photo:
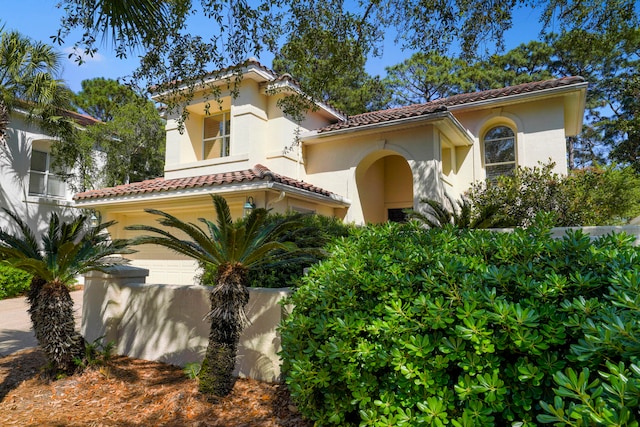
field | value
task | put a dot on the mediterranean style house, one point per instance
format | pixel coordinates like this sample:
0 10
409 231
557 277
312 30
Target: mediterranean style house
28 185
365 168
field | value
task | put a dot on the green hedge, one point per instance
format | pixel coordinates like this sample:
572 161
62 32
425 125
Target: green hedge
404 327
13 282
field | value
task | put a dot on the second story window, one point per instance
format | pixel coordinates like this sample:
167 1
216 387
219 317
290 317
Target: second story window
215 141
42 181
499 152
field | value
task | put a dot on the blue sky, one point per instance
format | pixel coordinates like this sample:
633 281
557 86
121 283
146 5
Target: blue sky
39 19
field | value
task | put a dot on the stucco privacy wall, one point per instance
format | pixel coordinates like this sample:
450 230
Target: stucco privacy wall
166 322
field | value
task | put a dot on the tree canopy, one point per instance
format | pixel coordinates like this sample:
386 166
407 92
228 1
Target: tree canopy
29 77
131 138
325 44
240 29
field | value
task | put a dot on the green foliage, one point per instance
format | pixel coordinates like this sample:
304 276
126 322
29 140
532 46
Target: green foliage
594 196
426 76
100 98
611 346
67 249
338 36
131 138
311 235
192 370
13 282
97 353
459 214
29 78
310 58
609 401
407 326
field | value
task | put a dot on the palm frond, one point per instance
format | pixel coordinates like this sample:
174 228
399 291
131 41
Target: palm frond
26 243
68 248
249 241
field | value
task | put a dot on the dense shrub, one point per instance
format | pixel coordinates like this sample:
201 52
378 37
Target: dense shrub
593 196
313 234
13 282
610 396
406 326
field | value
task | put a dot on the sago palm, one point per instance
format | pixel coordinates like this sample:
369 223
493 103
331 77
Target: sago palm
232 248
440 214
65 250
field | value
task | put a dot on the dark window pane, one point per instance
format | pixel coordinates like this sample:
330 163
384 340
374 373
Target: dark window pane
495 171
397 215
38 161
499 132
499 151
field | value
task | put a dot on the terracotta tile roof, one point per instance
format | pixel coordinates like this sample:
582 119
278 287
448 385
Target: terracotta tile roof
157 185
81 119
438 105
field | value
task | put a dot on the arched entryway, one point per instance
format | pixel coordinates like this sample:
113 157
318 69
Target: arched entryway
385 186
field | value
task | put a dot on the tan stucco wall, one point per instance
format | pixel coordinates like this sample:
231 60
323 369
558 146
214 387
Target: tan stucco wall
339 165
335 162
260 132
165 322
539 127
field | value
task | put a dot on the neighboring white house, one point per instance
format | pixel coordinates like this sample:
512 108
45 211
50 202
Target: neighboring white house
28 185
365 168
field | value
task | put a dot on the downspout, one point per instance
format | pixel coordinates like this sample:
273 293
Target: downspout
281 196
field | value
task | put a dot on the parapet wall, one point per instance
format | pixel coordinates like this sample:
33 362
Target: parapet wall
166 322
594 232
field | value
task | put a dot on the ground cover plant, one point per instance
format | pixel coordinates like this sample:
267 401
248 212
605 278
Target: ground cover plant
407 326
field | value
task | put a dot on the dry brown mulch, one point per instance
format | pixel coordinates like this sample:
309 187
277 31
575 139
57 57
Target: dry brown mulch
132 392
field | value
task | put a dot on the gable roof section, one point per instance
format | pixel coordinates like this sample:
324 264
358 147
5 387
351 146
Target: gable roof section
445 104
259 174
253 69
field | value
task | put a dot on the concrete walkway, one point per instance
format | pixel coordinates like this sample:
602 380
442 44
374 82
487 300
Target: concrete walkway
15 325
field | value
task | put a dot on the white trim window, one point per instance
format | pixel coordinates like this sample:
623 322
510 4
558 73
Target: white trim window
42 181
499 152
216 131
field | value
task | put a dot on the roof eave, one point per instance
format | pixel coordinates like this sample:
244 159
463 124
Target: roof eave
252 70
521 97
443 120
288 86
334 200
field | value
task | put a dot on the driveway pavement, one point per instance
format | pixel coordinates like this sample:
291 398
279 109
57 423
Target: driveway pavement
15 325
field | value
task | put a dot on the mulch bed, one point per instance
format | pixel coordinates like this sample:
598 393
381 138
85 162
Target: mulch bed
132 392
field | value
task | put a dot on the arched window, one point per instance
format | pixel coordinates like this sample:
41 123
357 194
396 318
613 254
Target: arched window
499 152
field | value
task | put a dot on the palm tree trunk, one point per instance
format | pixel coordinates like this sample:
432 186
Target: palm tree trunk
32 299
4 122
52 316
228 299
